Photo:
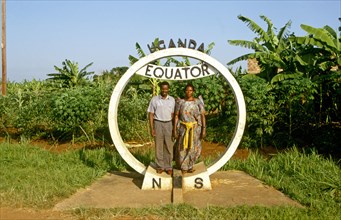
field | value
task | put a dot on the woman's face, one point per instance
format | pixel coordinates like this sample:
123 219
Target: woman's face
189 91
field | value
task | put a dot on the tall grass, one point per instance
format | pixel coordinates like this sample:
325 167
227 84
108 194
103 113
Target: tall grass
308 178
35 177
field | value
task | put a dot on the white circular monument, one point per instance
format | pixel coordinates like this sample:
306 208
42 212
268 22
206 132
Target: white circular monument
143 67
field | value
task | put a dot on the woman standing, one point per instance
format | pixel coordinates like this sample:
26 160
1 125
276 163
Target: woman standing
189 128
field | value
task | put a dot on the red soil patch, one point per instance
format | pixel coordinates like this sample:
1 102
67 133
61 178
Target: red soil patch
26 213
208 150
215 149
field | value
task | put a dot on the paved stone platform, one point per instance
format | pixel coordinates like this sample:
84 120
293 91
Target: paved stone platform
123 189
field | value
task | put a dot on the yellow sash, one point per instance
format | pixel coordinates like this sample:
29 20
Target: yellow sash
189 128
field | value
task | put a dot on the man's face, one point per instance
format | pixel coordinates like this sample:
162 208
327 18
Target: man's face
164 90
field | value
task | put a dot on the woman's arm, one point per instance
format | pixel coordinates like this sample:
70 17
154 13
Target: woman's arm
203 127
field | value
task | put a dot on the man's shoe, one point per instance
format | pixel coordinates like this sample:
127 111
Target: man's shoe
169 172
159 170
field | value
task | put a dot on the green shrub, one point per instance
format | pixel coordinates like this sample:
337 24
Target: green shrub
74 109
261 110
132 115
294 98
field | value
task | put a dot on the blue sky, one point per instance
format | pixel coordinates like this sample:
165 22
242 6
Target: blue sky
41 34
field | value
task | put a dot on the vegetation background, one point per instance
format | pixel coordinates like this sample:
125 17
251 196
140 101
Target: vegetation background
294 101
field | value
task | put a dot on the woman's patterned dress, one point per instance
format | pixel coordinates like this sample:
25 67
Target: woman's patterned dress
188 111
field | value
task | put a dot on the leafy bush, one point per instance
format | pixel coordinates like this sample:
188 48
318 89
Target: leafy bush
295 111
213 90
72 108
132 115
261 110
24 108
47 111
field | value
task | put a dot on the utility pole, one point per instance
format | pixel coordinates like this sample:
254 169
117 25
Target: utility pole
3 48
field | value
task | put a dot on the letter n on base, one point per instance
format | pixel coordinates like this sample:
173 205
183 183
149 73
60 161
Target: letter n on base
154 181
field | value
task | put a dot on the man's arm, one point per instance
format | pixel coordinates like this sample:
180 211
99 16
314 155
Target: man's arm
175 129
151 123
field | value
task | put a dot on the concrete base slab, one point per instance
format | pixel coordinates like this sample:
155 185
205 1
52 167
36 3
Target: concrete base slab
116 189
123 189
177 196
235 188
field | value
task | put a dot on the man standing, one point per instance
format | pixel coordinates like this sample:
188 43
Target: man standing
161 111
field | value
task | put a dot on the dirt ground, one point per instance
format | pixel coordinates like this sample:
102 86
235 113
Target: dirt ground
209 149
25 213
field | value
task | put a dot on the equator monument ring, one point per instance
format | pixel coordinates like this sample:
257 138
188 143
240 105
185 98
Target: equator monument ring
200 179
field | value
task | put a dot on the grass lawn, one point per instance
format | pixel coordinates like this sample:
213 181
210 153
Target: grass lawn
36 178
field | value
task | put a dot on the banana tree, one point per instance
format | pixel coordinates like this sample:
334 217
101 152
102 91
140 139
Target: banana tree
325 46
320 51
138 79
270 49
70 75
